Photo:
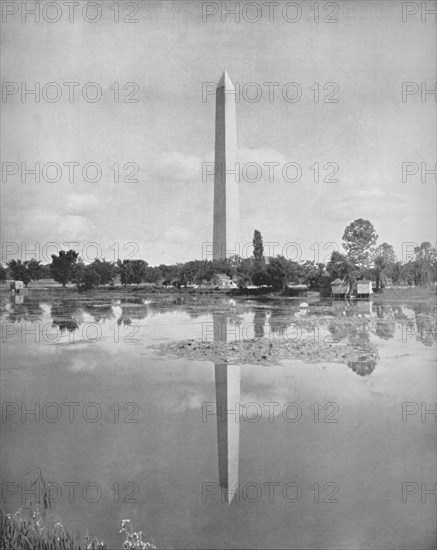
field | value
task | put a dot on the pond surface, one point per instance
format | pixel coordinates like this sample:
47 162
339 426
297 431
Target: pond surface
320 456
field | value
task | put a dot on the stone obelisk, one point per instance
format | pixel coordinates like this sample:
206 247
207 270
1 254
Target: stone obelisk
226 229
227 392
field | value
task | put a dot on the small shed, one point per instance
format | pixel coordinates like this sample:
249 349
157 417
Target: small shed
222 281
364 288
16 286
338 288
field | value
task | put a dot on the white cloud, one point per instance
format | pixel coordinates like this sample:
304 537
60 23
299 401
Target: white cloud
178 166
78 204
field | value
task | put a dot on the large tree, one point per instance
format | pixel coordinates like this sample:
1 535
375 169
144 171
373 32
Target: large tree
193 272
86 277
132 271
258 247
387 252
339 266
425 263
259 275
384 260
311 274
170 273
19 271
359 239
244 272
153 275
35 269
62 266
27 271
280 272
106 271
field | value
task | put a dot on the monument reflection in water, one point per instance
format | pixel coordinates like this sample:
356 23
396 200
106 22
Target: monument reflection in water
227 392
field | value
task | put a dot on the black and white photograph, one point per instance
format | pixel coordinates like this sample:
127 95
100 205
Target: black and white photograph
218 275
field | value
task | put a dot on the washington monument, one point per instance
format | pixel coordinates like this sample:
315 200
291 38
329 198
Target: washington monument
226 228
227 392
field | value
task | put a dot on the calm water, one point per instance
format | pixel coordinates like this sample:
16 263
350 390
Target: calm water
138 433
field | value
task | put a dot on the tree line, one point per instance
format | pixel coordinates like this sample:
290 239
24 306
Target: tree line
362 258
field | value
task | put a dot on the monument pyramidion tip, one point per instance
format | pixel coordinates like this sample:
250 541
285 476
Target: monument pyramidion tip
225 81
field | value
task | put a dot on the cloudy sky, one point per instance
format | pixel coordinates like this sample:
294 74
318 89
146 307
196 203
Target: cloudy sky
171 54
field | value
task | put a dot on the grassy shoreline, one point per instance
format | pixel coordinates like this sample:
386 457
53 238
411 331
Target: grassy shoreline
146 291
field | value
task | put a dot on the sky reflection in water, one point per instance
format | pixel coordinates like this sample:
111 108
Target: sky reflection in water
173 450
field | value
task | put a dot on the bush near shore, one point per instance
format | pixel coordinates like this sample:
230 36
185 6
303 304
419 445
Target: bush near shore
27 529
30 528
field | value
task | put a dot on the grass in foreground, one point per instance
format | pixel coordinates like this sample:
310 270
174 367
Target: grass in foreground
26 529
30 529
